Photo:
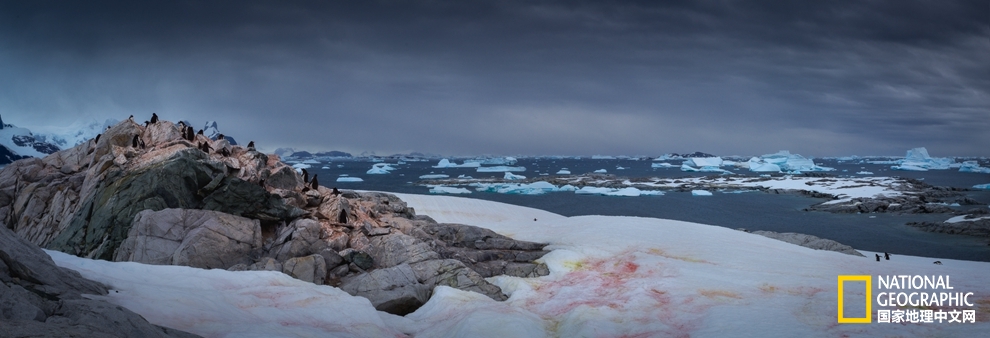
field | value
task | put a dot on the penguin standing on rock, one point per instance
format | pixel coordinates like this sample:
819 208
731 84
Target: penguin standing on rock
316 184
134 142
182 126
190 134
251 146
200 132
305 176
220 137
131 118
154 118
97 138
335 192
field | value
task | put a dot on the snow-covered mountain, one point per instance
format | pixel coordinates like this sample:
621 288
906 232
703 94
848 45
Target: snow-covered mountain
20 142
212 131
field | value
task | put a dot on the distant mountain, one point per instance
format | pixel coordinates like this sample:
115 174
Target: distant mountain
20 142
301 154
212 131
332 153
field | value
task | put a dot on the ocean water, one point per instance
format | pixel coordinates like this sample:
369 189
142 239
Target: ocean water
751 210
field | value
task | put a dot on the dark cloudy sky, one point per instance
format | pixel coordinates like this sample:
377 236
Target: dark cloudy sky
819 78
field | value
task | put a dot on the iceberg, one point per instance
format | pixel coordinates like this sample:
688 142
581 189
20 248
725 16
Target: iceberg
380 168
508 160
704 162
511 176
601 171
300 166
756 164
709 169
785 161
917 159
701 193
982 186
349 179
628 192
864 173
563 171
500 168
973 167
432 176
445 163
449 190
535 188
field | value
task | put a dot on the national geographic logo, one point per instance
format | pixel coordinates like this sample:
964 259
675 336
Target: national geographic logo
908 299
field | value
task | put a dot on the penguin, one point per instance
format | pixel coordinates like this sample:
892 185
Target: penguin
146 124
316 184
97 138
131 118
335 192
878 257
534 220
200 132
190 134
182 126
108 128
251 146
938 263
154 118
141 143
886 256
305 176
220 137
224 152
134 142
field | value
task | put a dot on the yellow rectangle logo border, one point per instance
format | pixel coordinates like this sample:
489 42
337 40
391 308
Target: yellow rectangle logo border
869 296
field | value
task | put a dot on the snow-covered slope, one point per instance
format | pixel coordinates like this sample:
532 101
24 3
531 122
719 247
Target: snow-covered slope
610 276
22 142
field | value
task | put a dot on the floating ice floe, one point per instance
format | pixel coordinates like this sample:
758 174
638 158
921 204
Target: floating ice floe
300 166
973 167
449 190
563 171
380 168
620 168
311 161
500 168
601 171
701 193
508 160
917 159
982 186
464 177
663 165
445 163
511 176
628 191
535 188
432 176
349 179
708 169
864 172
325 168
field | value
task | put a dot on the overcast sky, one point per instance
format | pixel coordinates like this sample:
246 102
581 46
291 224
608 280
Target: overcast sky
820 78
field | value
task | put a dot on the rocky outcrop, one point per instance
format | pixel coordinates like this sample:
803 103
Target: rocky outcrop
40 299
171 202
975 224
810 241
197 238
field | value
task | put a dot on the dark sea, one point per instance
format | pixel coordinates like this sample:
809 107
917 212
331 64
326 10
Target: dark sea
750 210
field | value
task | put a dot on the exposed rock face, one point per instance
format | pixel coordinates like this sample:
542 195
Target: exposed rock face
980 227
40 299
810 241
173 203
197 238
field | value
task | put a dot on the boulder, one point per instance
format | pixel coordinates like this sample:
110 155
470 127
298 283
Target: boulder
299 238
453 273
312 268
266 264
189 237
397 248
395 290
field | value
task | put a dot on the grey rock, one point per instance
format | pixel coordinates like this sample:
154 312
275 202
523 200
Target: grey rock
395 249
300 238
266 264
312 268
810 241
189 237
453 273
28 263
362 260
395 290
331 257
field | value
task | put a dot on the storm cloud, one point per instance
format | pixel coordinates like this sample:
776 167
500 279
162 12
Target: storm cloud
516 78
